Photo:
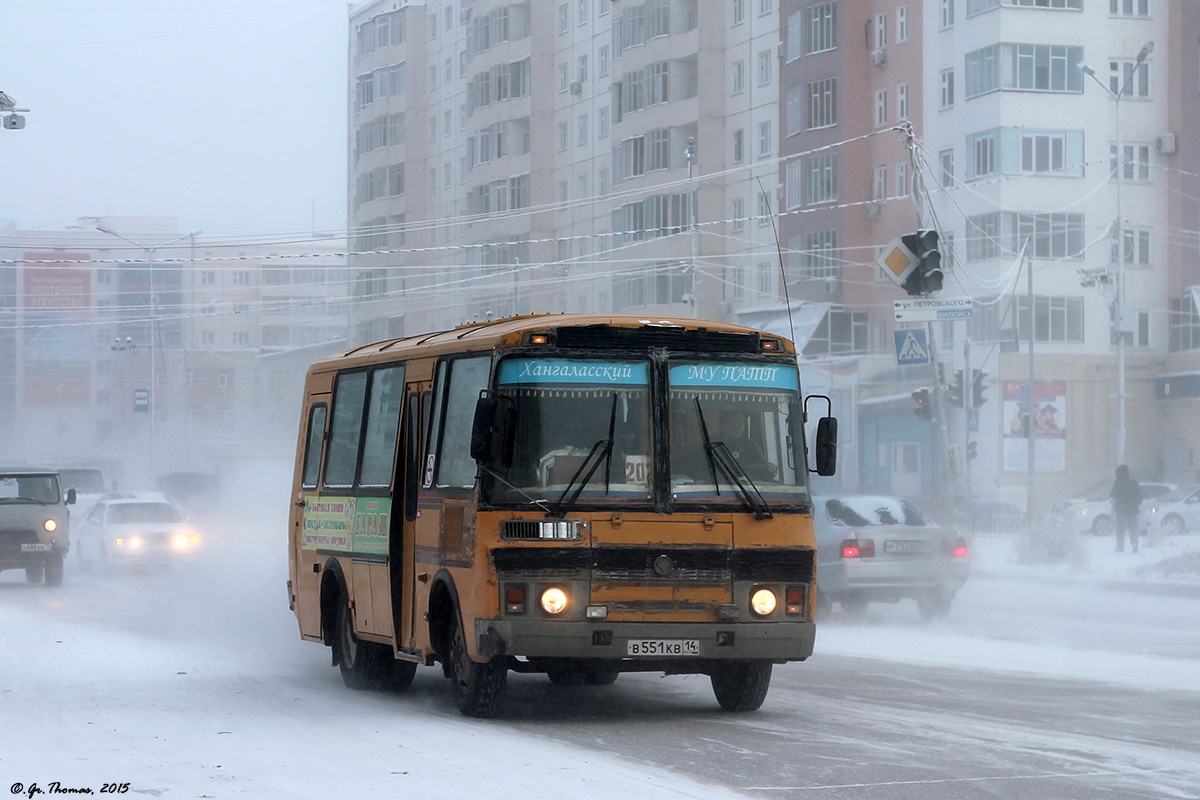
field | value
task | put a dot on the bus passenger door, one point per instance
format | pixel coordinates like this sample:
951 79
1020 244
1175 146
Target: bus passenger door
404 506
305 581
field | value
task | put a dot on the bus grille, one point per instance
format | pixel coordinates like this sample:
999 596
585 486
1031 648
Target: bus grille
642 564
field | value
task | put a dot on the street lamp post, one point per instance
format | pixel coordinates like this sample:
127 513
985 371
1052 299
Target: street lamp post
1119 311
150 250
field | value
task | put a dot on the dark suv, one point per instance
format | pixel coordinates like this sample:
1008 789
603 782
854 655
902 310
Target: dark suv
34 524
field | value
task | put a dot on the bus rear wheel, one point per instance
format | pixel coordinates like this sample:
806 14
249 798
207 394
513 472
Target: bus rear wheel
478 688
741 685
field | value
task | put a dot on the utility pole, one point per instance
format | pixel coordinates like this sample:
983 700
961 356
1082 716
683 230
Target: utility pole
1119 302
968 401
690 155
1032 427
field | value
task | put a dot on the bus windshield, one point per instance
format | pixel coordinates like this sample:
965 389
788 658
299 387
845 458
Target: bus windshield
733 421
574 418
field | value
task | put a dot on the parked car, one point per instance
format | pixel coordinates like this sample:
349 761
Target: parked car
881 549
1091 512
979 515
129 528
34 523
1174 513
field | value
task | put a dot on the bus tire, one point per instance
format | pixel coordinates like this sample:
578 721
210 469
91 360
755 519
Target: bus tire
364 665
54 571
478 688
741 685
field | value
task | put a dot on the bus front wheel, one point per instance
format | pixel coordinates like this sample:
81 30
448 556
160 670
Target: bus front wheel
741 685
478 688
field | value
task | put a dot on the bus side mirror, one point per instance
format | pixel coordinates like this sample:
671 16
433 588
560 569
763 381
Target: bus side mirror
826 446
483 428
71 497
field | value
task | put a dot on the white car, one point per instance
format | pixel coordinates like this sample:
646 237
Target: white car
1174 513
881 549
131 529
1091 512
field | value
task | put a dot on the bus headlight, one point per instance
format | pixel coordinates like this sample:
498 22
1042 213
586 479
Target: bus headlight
554 600
763 602
50 525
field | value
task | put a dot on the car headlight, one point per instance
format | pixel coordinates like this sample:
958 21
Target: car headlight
50 525
554 600
763 602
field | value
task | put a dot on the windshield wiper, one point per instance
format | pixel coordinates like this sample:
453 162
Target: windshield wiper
601 450
719 454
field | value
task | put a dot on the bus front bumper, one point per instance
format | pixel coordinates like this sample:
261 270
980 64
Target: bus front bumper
773 641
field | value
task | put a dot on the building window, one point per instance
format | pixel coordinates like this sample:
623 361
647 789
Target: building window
983 150
764 210
820 28
660 149
983 70
764 7
793 184
902 189
881 30
603 122
1136 161
764 139
581 70
1054 319
901 24
879 183
947 83
564 18
983 236
208 277
764 68
582 130
946 157
739 11
562 136
820 259
659 80
901 101
241 278
946 14
739 145
822 103
1129 8
602 62
738 215
766 278
738 77
1043 152
1183 323
1119 73
1137 247
1052 235
822 184
1028 67
583 13
881 115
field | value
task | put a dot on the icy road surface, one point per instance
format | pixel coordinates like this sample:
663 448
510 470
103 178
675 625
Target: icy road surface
1043 683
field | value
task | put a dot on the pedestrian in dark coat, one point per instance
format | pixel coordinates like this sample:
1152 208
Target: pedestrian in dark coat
1126 498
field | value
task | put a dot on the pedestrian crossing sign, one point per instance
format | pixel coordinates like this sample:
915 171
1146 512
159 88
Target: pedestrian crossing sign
911 346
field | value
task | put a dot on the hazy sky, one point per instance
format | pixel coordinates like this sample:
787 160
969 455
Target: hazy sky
227 114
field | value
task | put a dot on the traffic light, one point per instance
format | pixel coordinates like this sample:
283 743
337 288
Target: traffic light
977 389
972 450
923 409
926 278
954 390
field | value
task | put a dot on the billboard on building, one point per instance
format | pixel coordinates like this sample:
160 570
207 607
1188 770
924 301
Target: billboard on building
1046 414
56 340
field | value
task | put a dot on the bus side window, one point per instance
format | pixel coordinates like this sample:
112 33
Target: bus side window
468 376
345 429
312 447
383 426
433 421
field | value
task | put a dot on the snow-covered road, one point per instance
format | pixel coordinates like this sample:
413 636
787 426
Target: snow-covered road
1043 682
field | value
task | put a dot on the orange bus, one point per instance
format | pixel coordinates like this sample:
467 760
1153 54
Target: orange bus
573 495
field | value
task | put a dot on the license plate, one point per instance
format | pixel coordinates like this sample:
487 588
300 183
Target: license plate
906 546
35 548
663 647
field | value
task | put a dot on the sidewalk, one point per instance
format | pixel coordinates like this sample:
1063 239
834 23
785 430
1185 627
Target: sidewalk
1168 566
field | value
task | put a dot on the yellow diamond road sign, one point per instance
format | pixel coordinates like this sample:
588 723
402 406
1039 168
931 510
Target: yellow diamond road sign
897 261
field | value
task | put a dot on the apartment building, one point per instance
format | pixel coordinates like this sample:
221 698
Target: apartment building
615 157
